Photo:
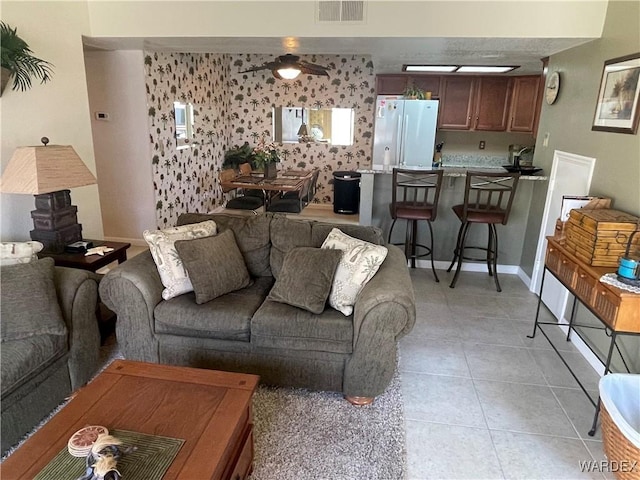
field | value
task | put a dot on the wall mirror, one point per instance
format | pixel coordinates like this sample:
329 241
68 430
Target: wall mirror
333 126
185 121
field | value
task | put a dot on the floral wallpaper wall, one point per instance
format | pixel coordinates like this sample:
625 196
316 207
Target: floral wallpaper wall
233 107
186 180
351 84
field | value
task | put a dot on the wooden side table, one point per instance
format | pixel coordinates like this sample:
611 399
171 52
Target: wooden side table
106 318
92 262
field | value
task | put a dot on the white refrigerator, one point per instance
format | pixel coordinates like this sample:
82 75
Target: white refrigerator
405 132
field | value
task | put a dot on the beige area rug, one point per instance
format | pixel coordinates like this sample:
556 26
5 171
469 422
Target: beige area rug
305 435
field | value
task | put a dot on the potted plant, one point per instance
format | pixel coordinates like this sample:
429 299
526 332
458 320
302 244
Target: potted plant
413 92
265 157
236 156
17 61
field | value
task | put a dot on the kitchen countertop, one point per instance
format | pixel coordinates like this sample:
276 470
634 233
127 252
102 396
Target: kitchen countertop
460 171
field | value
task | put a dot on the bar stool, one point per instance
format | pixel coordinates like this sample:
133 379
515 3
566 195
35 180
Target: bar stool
414 198
487 199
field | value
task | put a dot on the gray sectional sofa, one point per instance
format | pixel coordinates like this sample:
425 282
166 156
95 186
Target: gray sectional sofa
243 331
50 341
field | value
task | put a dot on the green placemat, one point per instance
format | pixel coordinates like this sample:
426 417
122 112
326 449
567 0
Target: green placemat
149 461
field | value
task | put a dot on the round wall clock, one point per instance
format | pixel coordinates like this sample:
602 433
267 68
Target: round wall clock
552 88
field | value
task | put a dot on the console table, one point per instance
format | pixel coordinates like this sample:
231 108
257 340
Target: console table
618 310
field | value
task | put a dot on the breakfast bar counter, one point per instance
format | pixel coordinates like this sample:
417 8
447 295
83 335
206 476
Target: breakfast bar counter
375 197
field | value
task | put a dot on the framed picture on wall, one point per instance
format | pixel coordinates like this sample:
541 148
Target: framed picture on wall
618 106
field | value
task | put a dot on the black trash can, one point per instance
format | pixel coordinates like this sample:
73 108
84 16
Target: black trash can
346 192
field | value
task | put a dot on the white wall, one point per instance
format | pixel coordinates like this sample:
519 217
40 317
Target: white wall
444 18
115 82
58 110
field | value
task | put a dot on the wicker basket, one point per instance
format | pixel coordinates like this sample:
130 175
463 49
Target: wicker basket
620 452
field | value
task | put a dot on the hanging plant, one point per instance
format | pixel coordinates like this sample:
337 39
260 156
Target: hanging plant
17 61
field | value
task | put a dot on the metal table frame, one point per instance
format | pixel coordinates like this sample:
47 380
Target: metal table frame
611 333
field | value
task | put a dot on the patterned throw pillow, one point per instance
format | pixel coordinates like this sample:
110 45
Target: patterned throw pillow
359 263
172 272
19 252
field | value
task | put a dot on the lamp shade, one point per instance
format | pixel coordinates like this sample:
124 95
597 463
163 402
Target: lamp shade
45 169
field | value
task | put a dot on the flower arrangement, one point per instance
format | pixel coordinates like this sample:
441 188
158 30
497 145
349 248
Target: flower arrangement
265 153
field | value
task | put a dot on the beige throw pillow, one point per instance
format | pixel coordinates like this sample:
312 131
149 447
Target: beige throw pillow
173 273
359 263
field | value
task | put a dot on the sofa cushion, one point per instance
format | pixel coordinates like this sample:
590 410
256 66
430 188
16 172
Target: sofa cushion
288 233
215 265
19 252
20 360
227 317
172 272
29 305
252 236
359 263
306 278
281 326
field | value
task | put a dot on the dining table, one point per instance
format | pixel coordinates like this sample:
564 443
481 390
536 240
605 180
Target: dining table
285 181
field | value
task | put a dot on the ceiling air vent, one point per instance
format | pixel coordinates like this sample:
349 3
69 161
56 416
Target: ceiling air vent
340 11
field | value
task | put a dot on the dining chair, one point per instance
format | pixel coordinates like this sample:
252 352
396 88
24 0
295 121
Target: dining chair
414 197
239 202
294 202
488 198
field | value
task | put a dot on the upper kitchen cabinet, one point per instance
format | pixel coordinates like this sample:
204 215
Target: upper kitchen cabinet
391 84
525 104
428 83
456 102
474 103
492 104
396 84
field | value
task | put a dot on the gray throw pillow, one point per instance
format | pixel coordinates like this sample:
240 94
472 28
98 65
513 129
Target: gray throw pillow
215 265
29 304
306 277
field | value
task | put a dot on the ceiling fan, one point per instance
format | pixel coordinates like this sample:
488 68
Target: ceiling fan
289 67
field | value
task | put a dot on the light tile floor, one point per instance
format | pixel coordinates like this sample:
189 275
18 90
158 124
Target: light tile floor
481 399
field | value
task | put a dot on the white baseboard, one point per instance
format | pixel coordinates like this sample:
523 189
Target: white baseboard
524 277
468 266
138 242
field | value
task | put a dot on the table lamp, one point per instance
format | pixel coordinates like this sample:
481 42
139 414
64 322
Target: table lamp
48 172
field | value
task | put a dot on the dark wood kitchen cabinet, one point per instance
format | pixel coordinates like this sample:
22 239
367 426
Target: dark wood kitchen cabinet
391 84
456 102
474 103
396 84
525 104
492 104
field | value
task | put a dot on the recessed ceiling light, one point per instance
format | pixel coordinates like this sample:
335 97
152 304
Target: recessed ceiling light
429 68
484 69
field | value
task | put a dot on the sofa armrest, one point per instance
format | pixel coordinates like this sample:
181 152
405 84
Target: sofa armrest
132 290
77 293
384 312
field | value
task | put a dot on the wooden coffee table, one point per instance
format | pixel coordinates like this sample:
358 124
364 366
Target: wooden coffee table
210 410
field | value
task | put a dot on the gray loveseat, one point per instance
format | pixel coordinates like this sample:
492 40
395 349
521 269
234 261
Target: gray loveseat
50 341
243 331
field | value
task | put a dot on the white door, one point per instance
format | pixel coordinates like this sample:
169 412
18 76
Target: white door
570 175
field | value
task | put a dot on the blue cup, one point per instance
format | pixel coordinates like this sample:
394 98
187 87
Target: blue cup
629 268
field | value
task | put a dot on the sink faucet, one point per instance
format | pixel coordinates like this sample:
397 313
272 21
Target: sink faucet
523 150
516 157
